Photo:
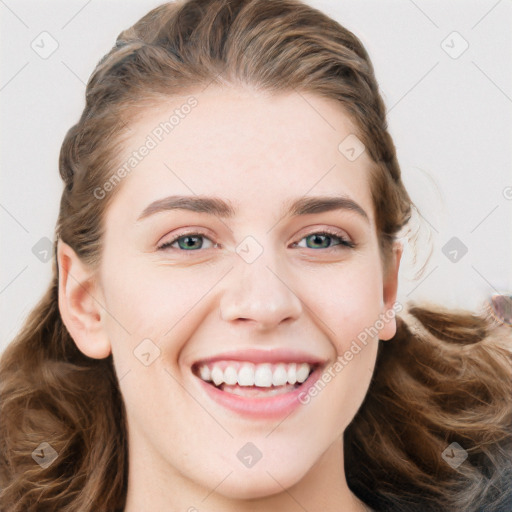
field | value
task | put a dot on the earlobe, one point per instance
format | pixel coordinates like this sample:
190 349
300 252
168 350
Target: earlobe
389 293
80 304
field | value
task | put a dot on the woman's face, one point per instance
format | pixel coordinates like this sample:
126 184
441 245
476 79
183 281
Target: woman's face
214 254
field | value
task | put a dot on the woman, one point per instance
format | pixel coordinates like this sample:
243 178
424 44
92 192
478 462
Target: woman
221 332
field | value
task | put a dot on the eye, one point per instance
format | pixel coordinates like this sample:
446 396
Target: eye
325 240
188 242
193 241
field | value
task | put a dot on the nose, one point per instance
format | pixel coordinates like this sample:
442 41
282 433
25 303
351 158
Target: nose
259 295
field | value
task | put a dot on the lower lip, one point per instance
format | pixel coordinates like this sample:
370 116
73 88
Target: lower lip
260 407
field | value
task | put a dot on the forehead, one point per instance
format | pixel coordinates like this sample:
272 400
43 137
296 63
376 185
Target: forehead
249 147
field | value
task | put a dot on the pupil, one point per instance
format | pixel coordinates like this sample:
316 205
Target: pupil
317 239
190 241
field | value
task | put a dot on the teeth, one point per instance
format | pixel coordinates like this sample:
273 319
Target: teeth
263 375
246 375
205 373
217 375
230 375
292 373
280 376
302 372
255 392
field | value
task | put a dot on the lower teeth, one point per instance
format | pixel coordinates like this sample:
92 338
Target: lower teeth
256 391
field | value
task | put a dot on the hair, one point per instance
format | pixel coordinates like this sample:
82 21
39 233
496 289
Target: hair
444 378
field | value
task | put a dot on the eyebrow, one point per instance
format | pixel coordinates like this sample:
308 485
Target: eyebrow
224 209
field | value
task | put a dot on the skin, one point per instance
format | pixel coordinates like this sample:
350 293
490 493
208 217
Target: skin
253 150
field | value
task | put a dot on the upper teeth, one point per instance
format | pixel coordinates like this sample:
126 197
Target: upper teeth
249 374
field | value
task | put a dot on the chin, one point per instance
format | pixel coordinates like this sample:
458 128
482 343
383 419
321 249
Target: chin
246 485
247 488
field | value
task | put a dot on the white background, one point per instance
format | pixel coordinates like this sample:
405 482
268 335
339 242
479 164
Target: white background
451 120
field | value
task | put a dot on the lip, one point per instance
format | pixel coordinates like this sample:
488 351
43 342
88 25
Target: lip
273 407
277 355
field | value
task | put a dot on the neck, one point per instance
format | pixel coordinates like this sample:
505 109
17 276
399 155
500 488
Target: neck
323 487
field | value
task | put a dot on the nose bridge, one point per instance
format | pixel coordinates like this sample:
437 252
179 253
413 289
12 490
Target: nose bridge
259 291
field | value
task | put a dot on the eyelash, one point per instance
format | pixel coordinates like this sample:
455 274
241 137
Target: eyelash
343 242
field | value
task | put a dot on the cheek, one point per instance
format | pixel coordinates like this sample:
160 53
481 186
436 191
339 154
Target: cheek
346 309
346 300
349 309
153 301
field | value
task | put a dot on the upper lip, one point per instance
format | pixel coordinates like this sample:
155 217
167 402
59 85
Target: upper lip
276 355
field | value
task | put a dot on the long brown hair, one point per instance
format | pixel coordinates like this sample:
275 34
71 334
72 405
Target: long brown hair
444 378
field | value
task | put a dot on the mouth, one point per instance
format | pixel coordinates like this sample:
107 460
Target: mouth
258 384
250 380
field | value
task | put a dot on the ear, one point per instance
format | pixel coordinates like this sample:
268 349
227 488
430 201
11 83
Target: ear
80 304
389 293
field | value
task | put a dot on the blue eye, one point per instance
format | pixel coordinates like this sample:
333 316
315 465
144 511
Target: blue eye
323 240
191 242
188 242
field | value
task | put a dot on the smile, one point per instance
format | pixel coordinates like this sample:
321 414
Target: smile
245 374
258 390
